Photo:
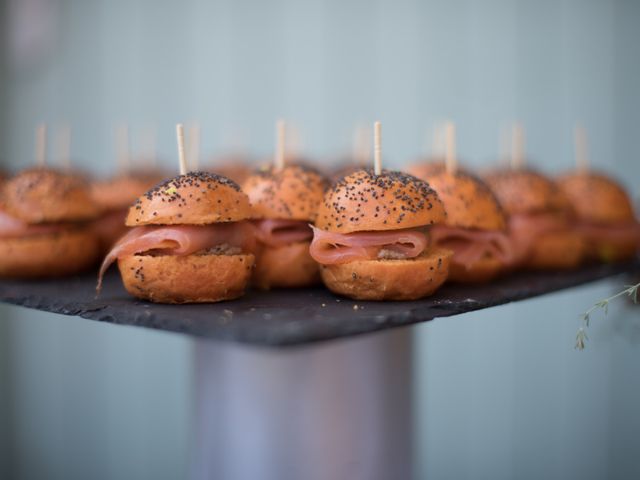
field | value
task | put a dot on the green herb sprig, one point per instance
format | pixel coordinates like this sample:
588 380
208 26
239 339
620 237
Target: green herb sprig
581 336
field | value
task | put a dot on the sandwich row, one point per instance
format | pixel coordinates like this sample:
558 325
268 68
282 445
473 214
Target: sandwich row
371 234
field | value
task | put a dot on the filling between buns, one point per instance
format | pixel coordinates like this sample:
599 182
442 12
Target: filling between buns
330 248
231 238
277 233
469 246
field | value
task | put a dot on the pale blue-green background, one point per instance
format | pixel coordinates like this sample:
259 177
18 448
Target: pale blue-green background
498 394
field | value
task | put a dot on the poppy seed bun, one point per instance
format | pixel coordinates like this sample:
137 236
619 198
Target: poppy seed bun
48 255
526 191
120 192
288 266
292 193
468 201
363 201
186 278
408 279
47 196
197 198
597 198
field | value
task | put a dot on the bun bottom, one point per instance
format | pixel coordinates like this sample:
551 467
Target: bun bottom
484 270
289 266
186 278
557 251
611 251
49 255
409 279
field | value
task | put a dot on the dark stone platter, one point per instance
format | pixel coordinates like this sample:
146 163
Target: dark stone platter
286 317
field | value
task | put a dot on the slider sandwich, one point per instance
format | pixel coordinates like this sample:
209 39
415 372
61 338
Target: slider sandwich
190 242
44 225
371 237
475 228
541 219
605 215
285 201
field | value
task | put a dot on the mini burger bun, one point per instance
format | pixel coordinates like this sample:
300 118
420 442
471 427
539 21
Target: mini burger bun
564 250
186 278
120 192
482 271
292 193
526 191
47 196
469 202
409 279
597 198
197 198
48 255
288 266
364 201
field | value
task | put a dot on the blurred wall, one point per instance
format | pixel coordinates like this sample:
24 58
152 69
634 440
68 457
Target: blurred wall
236 66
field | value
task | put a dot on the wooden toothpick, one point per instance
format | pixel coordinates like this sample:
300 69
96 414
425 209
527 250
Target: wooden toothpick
582 156
377 152
181 156
451 161
517 146
64 145
41 145
194 147
280 145
123 148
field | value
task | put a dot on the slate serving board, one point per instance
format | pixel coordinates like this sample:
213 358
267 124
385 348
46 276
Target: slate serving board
286 317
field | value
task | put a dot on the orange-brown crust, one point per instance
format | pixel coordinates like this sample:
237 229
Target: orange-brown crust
482 271
288 266
120 192
564 250
197 198
364 201
50 255
293 193
187 278
468 201
597 198
526 191
612 250
46 196
410 279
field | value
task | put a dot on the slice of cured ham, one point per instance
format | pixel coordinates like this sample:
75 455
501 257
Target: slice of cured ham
624 233
179 240
11 227
276 233
330 248
469 245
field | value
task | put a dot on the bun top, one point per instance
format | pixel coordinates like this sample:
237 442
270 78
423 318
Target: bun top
527 191
197 198
363 201
42 195
597 198
469 202
121 191
293 193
